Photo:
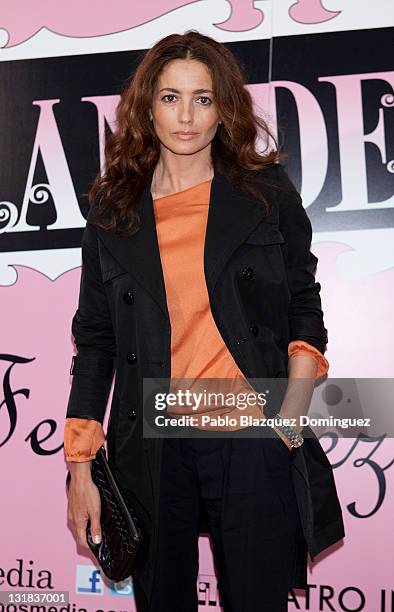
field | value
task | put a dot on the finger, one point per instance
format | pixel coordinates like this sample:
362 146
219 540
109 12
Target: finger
95 527
80 525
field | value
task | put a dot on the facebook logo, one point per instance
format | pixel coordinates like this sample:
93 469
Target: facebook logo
89 580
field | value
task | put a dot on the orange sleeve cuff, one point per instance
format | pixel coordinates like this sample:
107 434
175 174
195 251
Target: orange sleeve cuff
299 347
82 438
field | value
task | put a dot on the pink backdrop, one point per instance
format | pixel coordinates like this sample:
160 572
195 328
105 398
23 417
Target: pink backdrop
39 292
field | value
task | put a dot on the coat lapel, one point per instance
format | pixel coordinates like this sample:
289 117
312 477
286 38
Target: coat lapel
139 254
232 215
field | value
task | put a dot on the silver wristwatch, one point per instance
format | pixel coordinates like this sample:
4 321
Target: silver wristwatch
295 438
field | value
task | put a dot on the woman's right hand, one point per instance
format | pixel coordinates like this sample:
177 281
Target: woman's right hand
83 502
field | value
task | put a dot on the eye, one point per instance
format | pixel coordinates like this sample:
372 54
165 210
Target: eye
168 96
206 98
207 102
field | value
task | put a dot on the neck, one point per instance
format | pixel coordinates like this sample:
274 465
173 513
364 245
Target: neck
178 172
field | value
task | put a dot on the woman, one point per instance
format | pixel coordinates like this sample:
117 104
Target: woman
170 291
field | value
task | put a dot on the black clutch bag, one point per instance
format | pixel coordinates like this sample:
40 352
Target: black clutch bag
121 532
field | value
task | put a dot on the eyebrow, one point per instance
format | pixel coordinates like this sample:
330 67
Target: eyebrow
196 91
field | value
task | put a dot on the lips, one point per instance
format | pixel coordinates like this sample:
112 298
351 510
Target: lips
185 135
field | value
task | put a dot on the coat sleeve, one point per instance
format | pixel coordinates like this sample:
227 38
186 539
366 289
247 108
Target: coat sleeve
306 322
92 368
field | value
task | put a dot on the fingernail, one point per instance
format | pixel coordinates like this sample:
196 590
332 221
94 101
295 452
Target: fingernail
97 539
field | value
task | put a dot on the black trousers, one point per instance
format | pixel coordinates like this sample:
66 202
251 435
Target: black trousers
244 488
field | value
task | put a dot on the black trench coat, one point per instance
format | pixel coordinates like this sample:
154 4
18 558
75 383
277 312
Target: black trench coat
259 273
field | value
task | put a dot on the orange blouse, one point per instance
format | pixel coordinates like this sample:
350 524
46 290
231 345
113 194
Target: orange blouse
197 348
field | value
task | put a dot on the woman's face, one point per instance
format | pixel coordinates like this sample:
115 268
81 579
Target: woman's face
183 102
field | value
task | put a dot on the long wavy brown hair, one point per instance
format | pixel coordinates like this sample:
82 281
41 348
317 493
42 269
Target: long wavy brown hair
133 149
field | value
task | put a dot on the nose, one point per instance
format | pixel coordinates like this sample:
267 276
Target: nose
186 113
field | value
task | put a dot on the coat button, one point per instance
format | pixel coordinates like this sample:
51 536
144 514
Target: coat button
131 357
254 329
247 273
132 414
128 297
241 340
